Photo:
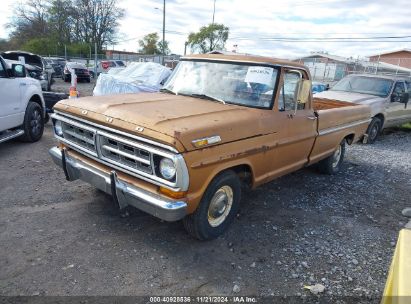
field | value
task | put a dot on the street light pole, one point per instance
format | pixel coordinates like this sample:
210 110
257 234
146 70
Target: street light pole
213 12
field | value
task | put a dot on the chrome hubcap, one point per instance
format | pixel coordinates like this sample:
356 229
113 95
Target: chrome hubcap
35 122
336 157
220 206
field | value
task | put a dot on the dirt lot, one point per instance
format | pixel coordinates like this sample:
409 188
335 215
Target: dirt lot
66 238
85 89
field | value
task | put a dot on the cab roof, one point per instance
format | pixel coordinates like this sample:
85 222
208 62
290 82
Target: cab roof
246 58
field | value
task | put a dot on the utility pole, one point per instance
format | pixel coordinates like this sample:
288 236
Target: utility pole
65 52
213 12
95 59
164 29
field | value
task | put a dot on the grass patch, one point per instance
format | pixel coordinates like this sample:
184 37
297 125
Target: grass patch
406 126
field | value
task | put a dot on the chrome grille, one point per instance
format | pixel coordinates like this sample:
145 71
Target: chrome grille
131 154
80 136
114 150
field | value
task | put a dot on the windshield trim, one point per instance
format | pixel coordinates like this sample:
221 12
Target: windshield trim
247 63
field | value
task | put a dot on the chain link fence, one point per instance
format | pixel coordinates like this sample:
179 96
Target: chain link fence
327 71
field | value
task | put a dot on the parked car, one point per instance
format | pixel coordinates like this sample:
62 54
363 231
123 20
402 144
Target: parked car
220 121
104 66
318 87
58 64
80 70
22 106
46 70
388 97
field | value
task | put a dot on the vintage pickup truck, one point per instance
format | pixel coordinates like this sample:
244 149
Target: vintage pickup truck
221 121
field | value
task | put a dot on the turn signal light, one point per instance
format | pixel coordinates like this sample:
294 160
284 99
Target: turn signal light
172 194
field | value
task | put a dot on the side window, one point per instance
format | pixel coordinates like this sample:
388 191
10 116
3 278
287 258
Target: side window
408 83
288 93
2 70
399 88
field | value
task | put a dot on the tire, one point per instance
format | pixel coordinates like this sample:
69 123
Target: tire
47 118
33 125
218 207
88 80
332 164
374 129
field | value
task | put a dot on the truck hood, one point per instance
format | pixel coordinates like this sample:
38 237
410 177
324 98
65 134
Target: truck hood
179 117
359 98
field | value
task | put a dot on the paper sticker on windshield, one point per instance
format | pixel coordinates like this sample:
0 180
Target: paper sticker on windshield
259 74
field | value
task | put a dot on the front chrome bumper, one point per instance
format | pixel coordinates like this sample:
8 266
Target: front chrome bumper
123 193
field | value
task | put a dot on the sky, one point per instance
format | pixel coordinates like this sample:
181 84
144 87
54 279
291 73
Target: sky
257 26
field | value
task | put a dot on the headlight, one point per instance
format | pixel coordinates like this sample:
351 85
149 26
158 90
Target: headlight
58 129
167 168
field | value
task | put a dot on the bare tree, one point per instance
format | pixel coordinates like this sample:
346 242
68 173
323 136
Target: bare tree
98 20
30 19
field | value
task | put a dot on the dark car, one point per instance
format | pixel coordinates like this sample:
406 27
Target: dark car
58 64
80 70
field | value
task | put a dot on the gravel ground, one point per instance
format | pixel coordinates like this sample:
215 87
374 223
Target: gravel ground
85 89
66 238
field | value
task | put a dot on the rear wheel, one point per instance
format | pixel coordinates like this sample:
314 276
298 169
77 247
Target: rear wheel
217 208
374 129
332 164
33 125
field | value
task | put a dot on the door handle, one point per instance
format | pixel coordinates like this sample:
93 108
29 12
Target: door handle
312 117
23 84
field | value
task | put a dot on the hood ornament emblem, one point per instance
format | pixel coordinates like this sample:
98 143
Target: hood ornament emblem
139 129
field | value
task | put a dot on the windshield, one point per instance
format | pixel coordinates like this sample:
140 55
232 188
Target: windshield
241 84
365 85
120 63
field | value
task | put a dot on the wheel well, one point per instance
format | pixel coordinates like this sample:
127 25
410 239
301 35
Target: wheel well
244 172
36 99
350 138
381 117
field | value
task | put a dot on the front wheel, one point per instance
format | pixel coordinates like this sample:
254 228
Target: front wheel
217 209
374 129
33 125
332 164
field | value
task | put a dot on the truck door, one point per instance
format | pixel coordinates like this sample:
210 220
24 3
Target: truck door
10 103
398 111
299 125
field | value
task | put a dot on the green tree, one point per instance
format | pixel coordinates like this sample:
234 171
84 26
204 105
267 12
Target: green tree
209 38
149 44
166 50
42 46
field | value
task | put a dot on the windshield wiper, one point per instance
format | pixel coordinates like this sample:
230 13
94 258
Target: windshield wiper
205 96
168 91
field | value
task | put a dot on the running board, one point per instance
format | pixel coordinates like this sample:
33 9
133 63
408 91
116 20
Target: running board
10 134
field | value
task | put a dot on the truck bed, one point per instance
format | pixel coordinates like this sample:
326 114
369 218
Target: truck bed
334 113
337 120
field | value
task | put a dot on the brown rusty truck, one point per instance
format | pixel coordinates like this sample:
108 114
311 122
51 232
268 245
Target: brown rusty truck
219 122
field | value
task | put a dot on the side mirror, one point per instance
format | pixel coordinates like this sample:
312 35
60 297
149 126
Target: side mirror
18 70
304 91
